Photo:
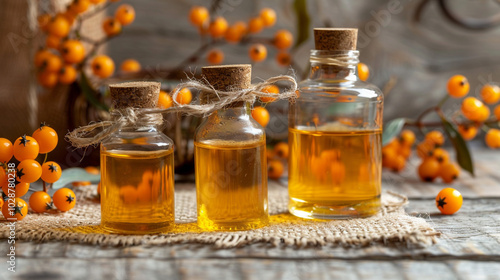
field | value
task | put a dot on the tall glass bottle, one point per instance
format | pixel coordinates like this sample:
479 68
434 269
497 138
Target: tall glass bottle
335 129
230 162
137 168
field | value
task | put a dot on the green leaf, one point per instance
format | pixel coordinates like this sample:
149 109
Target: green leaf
75 174
461 150
391 130
303 21
90 93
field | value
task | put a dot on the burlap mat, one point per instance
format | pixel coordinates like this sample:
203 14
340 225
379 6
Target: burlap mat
81 224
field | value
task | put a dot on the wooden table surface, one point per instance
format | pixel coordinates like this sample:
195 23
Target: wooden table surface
469 247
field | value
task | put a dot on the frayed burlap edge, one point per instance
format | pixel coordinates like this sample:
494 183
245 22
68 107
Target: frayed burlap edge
392 227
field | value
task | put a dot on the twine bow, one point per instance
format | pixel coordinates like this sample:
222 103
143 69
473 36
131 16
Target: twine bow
134 117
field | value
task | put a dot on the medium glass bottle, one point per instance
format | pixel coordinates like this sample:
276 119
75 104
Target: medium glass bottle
137 167
335 130
230 158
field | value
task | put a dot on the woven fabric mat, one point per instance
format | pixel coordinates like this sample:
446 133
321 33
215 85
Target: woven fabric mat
81 224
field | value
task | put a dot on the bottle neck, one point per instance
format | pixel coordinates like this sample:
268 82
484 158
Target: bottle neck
333 65
237 110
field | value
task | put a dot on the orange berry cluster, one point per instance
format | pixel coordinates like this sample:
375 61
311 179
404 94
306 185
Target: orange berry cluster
63 54
435 160
475 110
15 180
396 153
219 29
165 99
276 160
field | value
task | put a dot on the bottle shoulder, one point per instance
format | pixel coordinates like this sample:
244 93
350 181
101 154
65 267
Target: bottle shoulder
363 91
138 140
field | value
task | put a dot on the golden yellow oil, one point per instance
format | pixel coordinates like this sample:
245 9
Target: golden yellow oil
334 174
231 185
137 191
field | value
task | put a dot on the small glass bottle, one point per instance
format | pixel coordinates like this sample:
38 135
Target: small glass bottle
137 168
335 130
230 158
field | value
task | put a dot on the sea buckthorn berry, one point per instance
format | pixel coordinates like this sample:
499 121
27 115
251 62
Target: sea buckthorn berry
275 169
59 26
103 66
449 201
26 147
218 27
405 151
257 52
16 210
79 6
94 170
261 115
53 42
255 25
337 170
233 34
490 94
441 155
198 16
472 108
389 157
19 189
184 97
51 172
458 86
43 21
81 183
64 199
273 89
468 132
72 51
449 172
424 148
399 163
164 100
407 137
215 57
435 137
40 202
125 14
484 113
429 169
52 63
130 66
41 56
111 27
493 138
47 79
6 150
28 171
268 17
284 59
283 39
67 75
98 1
496 111
281 150
46 137
363 71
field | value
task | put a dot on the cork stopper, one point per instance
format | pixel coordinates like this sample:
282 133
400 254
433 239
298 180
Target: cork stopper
135 94
226 78
335 39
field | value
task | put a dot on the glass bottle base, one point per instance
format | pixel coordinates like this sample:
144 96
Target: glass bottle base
207 224
334 209
136 228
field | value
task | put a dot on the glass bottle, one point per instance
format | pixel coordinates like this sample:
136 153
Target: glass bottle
335 130
137 167
230 158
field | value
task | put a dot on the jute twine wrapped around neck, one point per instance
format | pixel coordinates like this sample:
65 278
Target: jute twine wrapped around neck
128 114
